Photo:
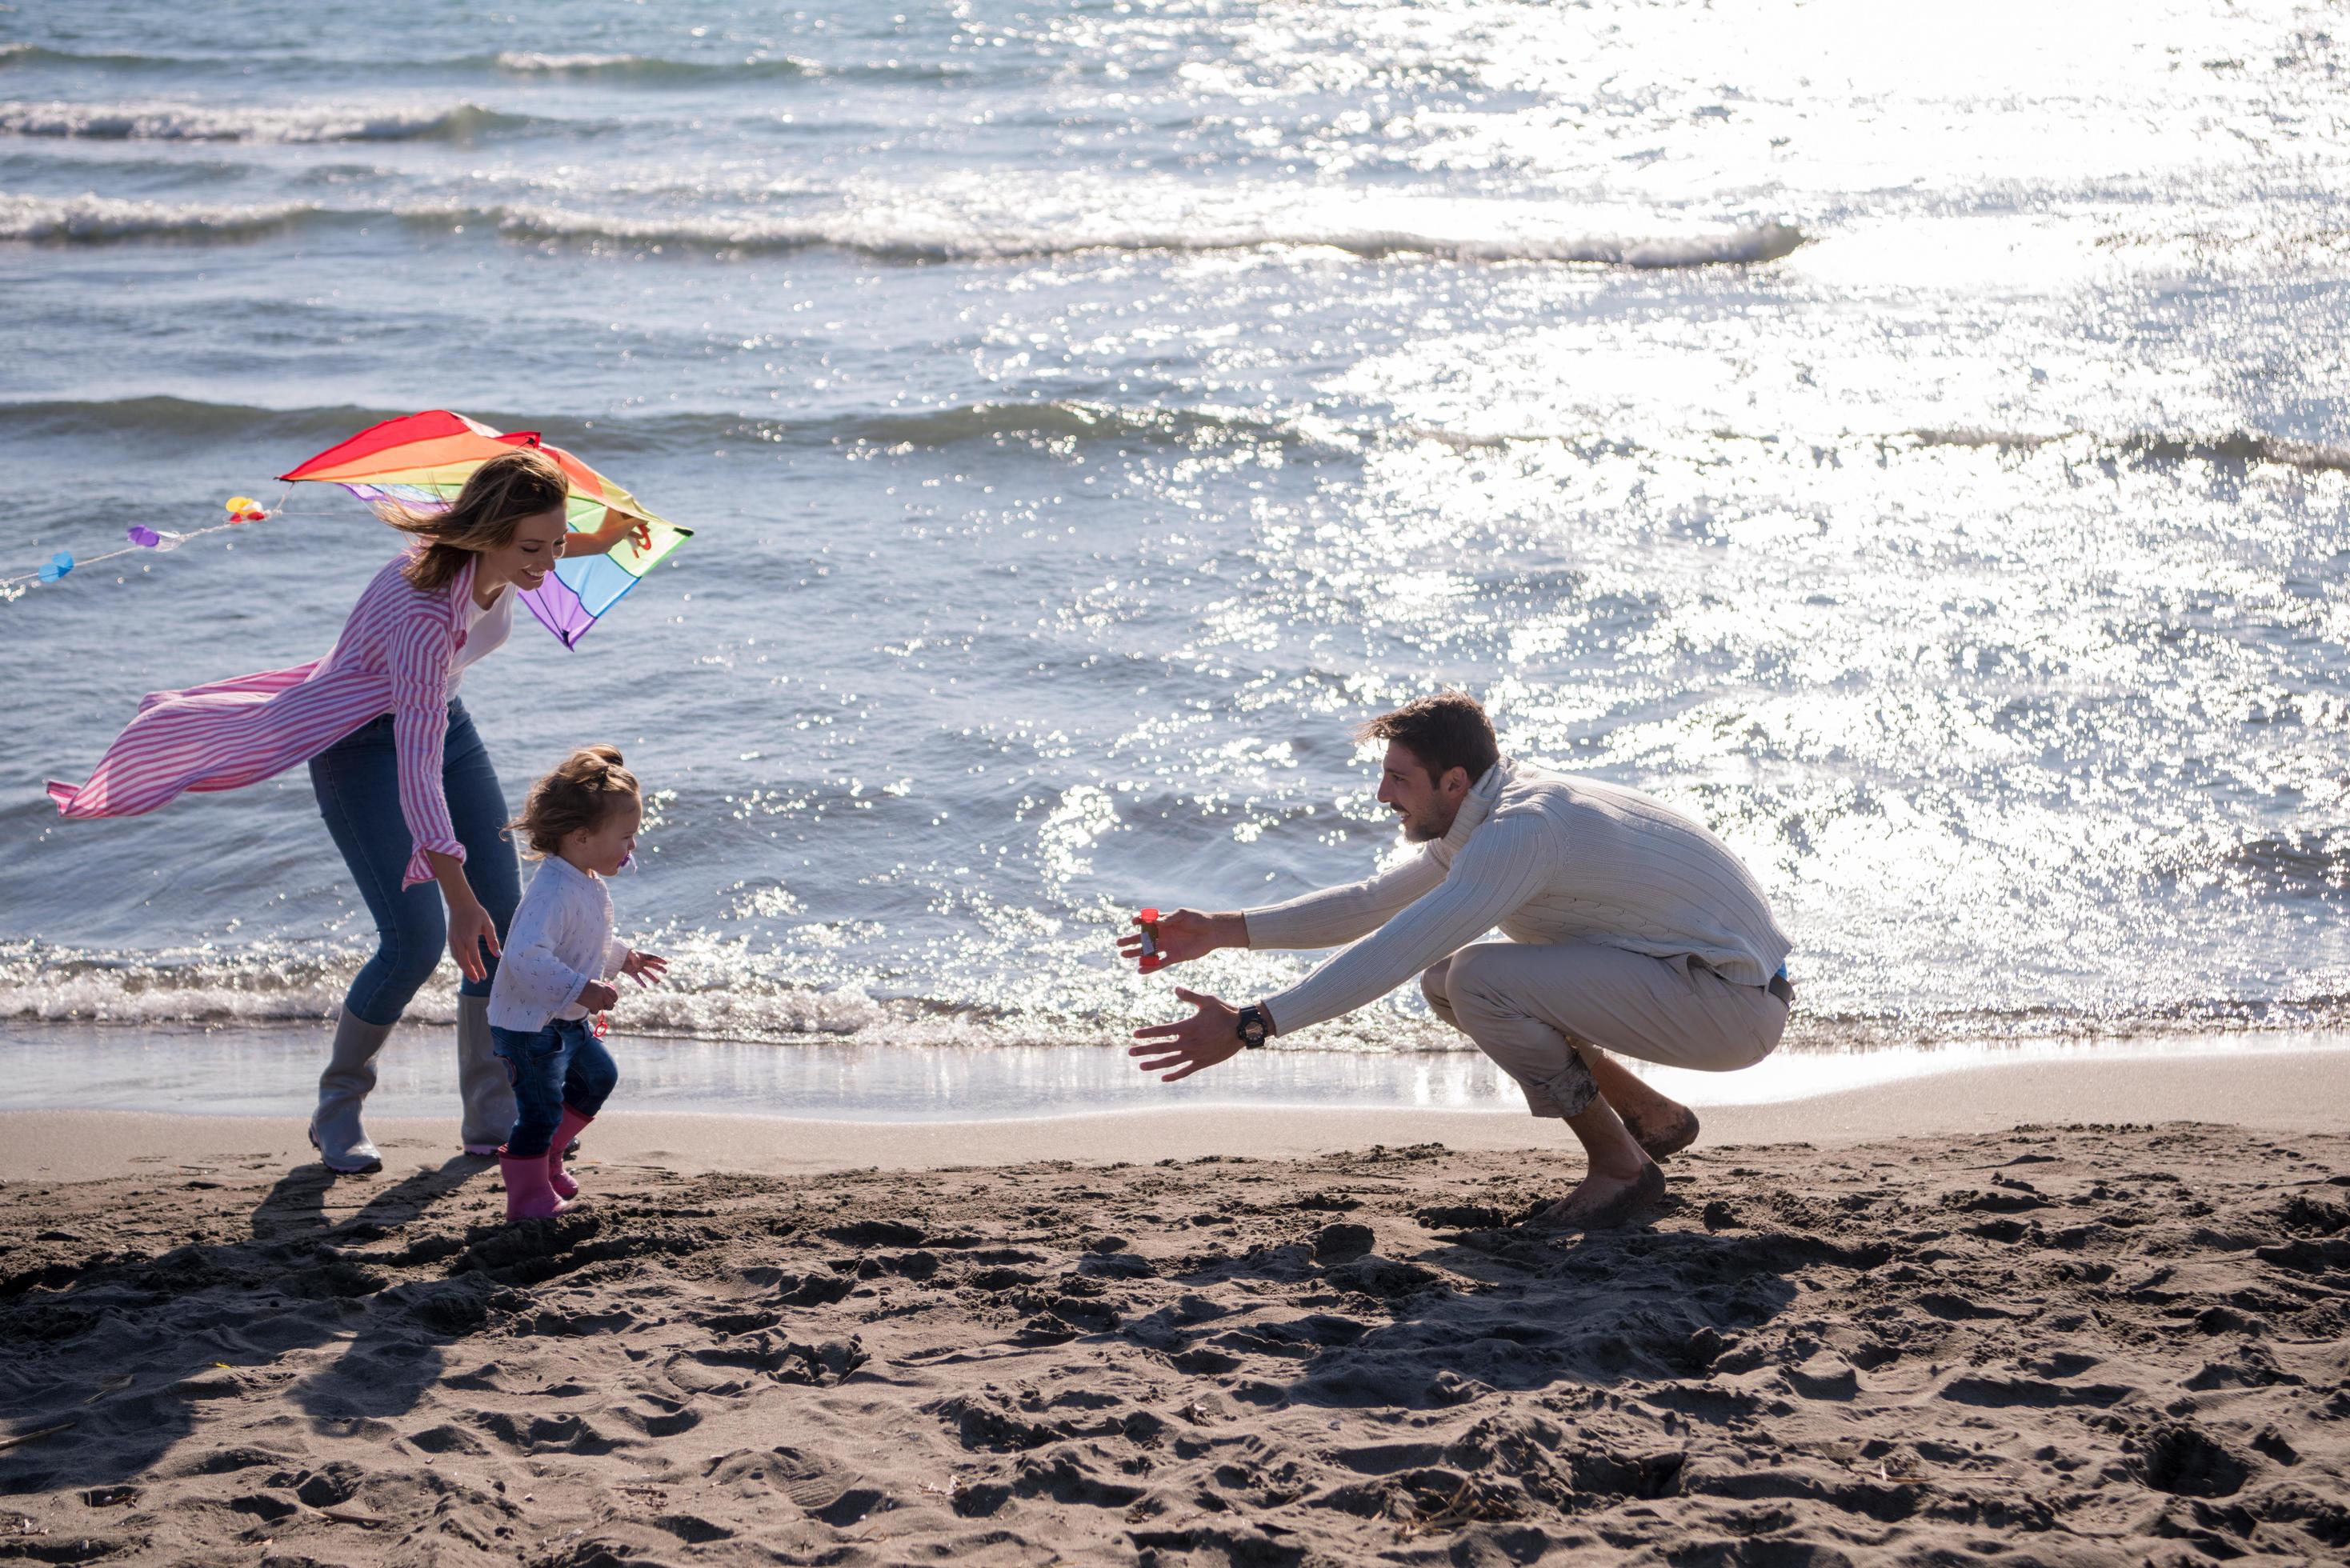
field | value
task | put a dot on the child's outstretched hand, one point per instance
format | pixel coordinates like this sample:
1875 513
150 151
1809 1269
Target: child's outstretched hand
645 969
598 997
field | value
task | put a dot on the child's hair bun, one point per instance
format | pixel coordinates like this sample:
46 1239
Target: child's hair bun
573 798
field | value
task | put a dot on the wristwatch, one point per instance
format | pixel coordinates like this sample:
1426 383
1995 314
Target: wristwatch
1254 1025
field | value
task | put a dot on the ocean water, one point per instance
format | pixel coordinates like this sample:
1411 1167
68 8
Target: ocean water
1915 442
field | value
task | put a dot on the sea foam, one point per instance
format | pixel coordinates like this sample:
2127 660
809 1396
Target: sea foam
96 219
242 122
887 237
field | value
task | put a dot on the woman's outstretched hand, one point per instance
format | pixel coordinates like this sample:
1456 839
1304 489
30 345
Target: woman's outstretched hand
469 930
645 969
607 537
1187 934
1211 1034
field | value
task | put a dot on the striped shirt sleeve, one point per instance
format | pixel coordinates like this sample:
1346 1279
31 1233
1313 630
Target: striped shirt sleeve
1503 864
419 667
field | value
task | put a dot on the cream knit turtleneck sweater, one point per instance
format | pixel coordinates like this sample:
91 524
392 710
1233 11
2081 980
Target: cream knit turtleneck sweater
1548 858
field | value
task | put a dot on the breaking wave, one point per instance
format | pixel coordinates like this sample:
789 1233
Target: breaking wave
196 122
881 236
534 63
734 1000
531 62
887 239
100 220
266 987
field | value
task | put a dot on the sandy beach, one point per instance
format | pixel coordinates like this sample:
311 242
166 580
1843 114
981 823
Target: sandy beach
1827 527
1209 1338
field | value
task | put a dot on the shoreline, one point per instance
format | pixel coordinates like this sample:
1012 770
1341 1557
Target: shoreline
2278 1091
271 1071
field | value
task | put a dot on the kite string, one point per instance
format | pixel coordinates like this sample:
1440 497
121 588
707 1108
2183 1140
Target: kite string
33 576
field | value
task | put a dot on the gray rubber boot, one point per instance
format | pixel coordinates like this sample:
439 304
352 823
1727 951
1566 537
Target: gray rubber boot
335 1130
481 1082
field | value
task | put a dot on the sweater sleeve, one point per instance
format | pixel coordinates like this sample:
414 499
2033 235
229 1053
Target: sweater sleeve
1503 864
420 727
615 953
1336 916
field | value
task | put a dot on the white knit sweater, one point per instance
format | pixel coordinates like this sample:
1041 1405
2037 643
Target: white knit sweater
1548 858
559 939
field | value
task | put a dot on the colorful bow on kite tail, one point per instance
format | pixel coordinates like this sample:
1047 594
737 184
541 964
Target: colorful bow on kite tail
242 509
423 460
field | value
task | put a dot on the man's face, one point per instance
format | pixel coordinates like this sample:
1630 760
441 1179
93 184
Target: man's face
1426 806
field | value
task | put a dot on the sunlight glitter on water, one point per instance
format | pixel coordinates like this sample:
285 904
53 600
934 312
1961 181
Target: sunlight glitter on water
1089 416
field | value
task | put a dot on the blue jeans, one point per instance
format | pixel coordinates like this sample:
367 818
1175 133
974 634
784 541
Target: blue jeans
562 1065
357 780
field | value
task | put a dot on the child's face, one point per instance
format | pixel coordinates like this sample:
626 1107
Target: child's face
611 842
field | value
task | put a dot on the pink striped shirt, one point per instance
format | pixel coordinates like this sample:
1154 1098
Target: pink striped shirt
393 656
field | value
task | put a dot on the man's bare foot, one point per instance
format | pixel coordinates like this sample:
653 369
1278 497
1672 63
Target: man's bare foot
1666 1135
1660 1123
1604 1202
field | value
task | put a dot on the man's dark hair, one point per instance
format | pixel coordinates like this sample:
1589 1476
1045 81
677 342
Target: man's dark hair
1445 731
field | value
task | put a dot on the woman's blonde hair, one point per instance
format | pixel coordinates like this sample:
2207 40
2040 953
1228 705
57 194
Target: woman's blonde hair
573 798
502 493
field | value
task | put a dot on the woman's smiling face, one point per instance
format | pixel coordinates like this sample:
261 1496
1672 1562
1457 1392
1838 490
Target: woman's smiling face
524 559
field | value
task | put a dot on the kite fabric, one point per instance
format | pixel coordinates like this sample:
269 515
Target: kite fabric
423 460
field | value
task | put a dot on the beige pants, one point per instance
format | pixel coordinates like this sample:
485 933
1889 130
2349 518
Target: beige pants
1528 1006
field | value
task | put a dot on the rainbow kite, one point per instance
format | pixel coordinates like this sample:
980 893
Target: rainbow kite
423 460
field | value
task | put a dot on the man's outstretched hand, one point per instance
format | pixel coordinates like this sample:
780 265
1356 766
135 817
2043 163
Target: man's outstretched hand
1209 1036
1186 934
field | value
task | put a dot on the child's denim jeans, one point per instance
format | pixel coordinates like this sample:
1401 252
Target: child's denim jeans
562 1065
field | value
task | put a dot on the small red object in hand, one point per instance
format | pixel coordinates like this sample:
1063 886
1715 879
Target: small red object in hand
1152 958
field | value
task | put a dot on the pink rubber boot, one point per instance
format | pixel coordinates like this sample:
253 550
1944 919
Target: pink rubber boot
529 1195
557 1176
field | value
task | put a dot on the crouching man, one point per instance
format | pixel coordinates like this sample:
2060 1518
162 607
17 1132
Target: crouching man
1631 928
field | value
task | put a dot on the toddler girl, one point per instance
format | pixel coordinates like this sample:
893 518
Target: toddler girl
581 823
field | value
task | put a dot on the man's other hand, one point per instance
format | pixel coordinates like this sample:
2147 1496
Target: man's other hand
1186 934
1209 1036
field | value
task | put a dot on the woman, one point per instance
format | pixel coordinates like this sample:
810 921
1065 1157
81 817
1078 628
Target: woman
401 778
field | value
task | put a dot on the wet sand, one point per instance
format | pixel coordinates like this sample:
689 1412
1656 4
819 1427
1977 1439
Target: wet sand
2273 1090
